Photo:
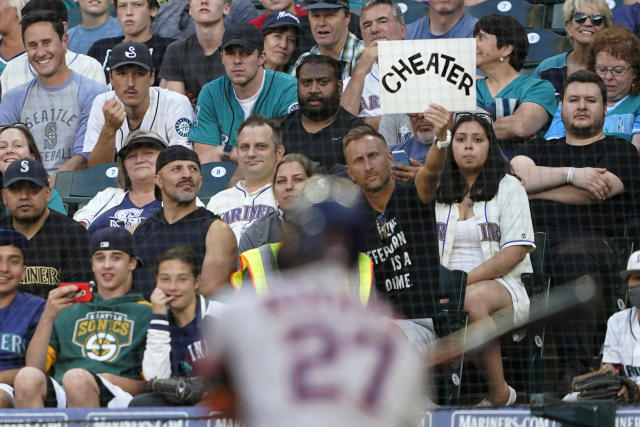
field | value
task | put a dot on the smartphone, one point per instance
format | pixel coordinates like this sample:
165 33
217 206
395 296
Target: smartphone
400 156
85 291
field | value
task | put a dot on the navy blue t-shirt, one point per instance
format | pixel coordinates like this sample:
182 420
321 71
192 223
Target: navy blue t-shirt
18 322
124 215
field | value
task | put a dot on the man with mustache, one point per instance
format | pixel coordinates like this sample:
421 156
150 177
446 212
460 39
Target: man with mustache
58 245
581 190
133 105
182 222
317 128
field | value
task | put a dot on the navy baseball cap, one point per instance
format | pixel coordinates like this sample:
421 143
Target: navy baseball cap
243 34
14 238
113 239
26 169
130 53
327 4
281 18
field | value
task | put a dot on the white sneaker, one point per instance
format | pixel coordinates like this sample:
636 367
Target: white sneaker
486 403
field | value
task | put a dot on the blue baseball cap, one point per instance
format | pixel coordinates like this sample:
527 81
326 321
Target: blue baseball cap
14 238
26 169
113 239
281 18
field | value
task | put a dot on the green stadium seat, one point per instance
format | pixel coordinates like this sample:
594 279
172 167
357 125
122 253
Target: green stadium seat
544 43
451 317
215 177
529 15
78 187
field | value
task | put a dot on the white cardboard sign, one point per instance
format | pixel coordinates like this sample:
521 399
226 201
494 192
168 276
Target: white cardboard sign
416 73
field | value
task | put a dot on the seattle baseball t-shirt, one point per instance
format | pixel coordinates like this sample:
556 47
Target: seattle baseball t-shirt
57 117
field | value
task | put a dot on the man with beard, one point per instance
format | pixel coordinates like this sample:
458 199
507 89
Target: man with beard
581 189
317 128
58 246
416 147
400 226
246 89
182 222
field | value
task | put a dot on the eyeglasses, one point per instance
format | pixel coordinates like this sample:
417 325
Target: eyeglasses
383 230
473 116
602 71
596 19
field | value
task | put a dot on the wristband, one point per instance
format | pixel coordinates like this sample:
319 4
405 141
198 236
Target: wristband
570 175
226 152
446 142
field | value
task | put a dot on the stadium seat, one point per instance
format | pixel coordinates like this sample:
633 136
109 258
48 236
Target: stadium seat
529 15
536 283
544 43
451 317
78 187
215 177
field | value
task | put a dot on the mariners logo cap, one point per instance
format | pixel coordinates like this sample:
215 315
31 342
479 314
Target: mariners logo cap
26 169
14 238
130 53
243 34
113 239
633 265
281 18
141 137
327 4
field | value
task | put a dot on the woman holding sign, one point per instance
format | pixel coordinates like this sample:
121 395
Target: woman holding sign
519 105
485 229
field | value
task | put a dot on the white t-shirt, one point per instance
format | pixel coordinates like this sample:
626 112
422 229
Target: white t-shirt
170 115
18 71
309 354
621 345
239 208
247 104
370 100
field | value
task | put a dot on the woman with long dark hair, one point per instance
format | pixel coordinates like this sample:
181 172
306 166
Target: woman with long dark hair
484 229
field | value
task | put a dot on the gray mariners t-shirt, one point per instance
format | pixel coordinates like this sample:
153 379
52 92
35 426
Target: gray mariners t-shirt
57 117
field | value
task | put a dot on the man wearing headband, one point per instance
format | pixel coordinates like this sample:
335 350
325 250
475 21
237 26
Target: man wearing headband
20 311
182 222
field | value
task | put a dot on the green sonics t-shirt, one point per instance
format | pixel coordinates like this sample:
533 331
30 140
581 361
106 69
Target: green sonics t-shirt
101 336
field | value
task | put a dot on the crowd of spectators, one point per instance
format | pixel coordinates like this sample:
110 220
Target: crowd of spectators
293 92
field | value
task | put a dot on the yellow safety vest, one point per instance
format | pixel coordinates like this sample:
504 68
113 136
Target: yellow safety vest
262 262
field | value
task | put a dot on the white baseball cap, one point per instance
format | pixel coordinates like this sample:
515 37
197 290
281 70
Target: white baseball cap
633 265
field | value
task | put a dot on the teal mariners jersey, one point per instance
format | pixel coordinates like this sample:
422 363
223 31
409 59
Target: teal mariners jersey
101 336
521 89
219 114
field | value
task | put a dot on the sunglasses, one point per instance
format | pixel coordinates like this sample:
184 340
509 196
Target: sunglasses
596 20
383 230
473 116
14 125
